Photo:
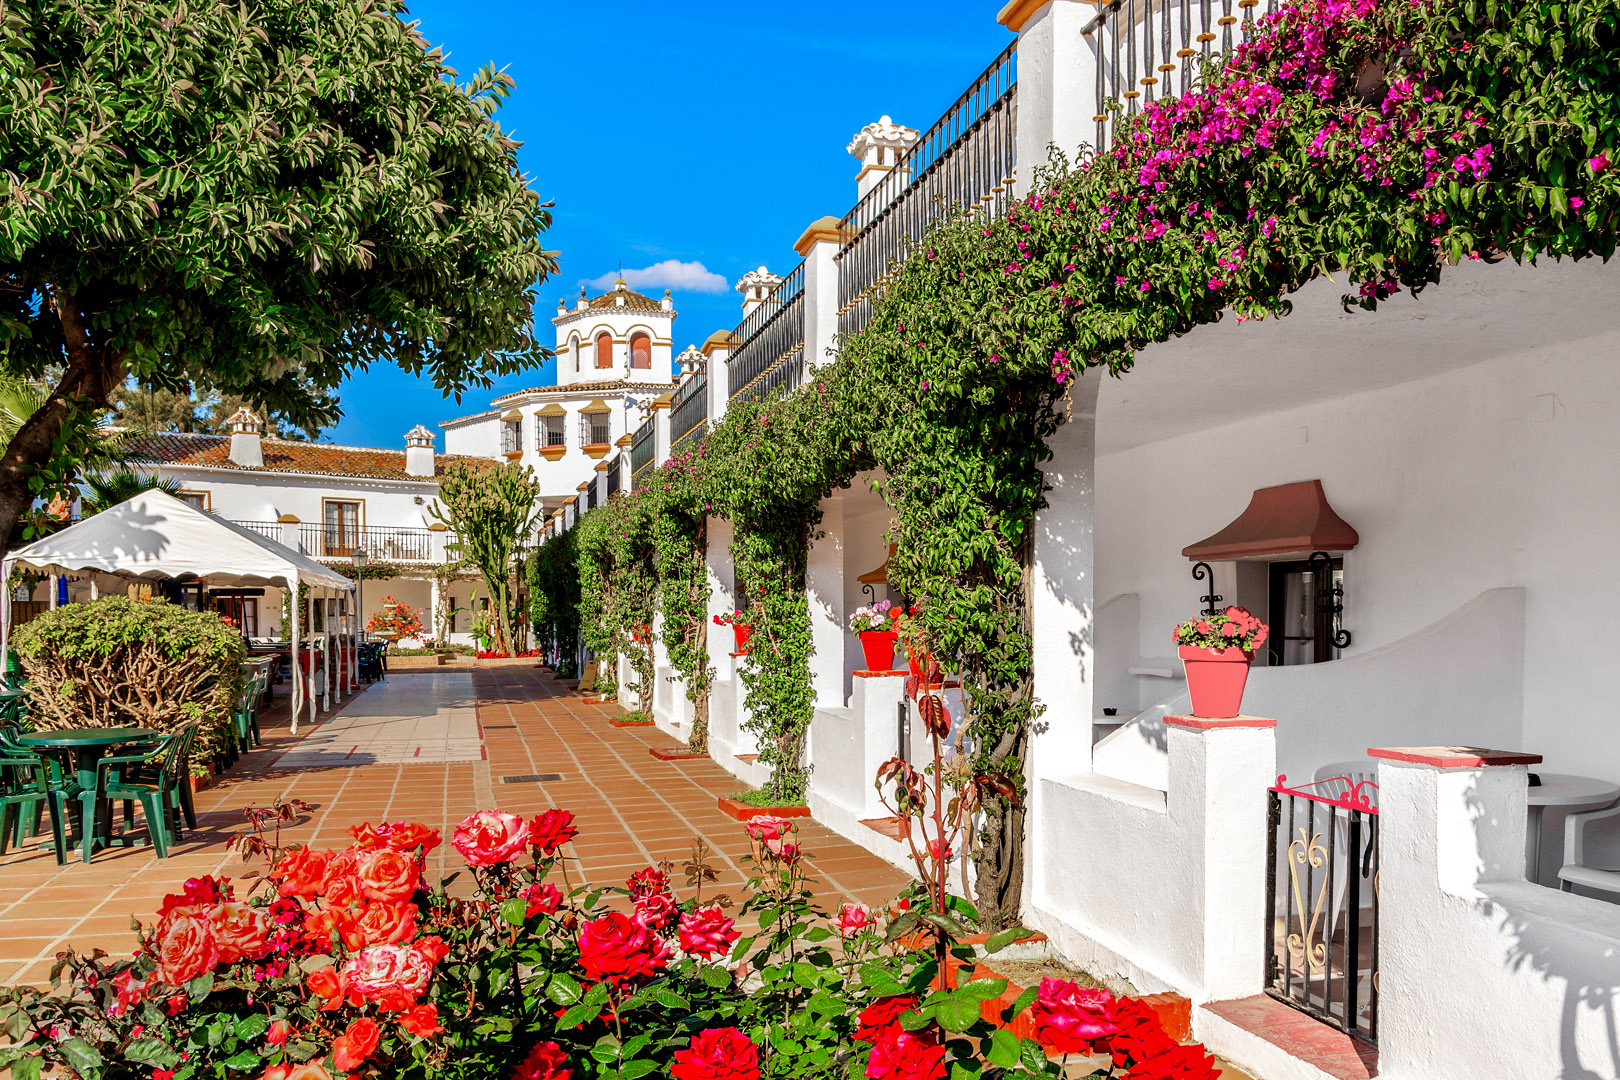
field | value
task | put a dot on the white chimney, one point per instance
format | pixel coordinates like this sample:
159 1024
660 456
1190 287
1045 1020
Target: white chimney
755 286
691 361
247 433
879 148
419 452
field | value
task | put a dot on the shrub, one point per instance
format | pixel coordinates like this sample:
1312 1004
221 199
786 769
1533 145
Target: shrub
118 662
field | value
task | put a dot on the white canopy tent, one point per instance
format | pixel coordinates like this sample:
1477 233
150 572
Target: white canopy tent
155 535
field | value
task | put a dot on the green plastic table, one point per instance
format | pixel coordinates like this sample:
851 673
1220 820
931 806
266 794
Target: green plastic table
88 746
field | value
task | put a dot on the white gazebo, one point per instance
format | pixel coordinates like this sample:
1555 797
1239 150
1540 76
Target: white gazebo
154 536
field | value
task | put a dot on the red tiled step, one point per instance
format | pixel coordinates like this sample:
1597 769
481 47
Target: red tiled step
1300 1036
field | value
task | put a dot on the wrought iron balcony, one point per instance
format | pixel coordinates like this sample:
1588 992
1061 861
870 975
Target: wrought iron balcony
771 339
689 415
641 452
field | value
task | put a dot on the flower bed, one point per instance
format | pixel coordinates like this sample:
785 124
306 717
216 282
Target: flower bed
348 964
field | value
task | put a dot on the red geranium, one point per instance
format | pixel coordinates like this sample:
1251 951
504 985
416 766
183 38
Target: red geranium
882 1016
717 1054
545 1062
1067 1019
551 830
708 931
350 1050
615 948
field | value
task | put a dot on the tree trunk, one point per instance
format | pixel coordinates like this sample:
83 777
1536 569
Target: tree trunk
93 371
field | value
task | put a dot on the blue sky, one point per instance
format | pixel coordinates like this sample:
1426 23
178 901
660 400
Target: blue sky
704 134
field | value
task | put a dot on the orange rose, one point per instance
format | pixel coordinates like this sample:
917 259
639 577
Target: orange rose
350 1050
240 931
324 983
386 874
186 947
408 836
386 922
422 1020
309 1070
301 872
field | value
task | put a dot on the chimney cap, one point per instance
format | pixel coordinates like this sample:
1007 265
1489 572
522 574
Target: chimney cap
419 436
885 133
244 421
754 279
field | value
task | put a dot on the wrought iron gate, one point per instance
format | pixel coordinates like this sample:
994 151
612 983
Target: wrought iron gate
1322 901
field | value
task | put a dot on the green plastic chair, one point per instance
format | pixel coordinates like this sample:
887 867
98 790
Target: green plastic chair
151 776
247 715
27 792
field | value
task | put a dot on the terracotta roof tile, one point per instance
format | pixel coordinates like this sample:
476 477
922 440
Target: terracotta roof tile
321 459
573 388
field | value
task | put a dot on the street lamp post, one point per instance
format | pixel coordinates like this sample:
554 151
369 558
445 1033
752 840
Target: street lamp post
359 560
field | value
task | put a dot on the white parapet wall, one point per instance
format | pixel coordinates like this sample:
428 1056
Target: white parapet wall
1480 972
1164 889
847 746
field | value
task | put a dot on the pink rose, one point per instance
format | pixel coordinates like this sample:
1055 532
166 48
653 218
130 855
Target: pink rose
490 837
708 931
1065 1018
656 911
767 827
853 918
240 931
392 976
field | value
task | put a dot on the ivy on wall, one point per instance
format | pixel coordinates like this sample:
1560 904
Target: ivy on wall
1377 141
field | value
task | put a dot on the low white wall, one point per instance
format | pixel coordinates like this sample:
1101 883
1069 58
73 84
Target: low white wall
1482 974
1163 889
847 746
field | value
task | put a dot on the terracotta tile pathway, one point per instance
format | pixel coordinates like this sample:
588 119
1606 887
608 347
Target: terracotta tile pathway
632 808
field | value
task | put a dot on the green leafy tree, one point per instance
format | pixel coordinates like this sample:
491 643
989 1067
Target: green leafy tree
263 198
493 510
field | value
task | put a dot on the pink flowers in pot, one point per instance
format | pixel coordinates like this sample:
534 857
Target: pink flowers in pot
1233 628
878 616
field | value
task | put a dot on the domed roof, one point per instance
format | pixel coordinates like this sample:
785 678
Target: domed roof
609 301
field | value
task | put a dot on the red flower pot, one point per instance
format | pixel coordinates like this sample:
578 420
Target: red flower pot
936 677
878 645
742 633
1215 680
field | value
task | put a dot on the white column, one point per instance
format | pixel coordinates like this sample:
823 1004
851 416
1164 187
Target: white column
824 580
55 590
293 607
289 532
660 418
1057 81
719 385
819 246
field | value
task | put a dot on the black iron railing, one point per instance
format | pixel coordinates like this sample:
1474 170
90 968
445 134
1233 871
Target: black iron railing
1152 49
1322 901
381 544
964 161
613 477
641 451
271 529
595 429
770 337
689 415
590 496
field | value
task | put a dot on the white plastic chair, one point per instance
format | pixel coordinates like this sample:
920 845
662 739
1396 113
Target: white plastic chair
1592 851
1362 771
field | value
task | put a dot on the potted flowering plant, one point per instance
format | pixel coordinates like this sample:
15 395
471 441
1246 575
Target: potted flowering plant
874 625
738 621
1216 651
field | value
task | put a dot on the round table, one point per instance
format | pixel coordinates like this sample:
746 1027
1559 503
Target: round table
87 746
1569 795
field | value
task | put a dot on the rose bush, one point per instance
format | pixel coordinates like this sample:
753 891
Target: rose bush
342 965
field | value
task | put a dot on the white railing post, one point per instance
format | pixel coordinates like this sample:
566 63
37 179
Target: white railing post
1057 80
819 246
660 419
824 581
289 531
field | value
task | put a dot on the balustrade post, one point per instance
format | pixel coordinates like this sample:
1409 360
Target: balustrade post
717 349
660 419
290 526
819 247
824 580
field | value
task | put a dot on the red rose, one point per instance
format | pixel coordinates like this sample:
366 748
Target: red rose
1177 1063
656 911
279 1030
408 836
647 881
768 827
240 931
345 863
1066 1019
186 947
366 836
853 918
1140 1036
708 931
490 837
386 874
350 1049
383 923
906 1055
551 830
615 948
301 872
345 890
717 1054
882 1016
545 1062
197 897
543 899
421 1020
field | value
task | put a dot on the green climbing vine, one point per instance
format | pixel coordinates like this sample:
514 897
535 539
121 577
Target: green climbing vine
1377 141
679 524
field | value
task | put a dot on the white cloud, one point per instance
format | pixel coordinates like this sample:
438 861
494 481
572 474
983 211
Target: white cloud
669 274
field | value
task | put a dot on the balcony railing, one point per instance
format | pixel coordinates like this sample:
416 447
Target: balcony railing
964 161
689 416
381 544
641 452
771 337
1147 49
271 529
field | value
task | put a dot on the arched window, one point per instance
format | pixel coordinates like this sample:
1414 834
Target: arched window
573 347
640 351
604 350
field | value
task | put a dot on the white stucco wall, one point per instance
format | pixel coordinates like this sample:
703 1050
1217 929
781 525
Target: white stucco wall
1496 474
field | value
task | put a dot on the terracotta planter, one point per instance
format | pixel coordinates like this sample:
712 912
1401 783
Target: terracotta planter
742 811
878 645
936 677
742 634
1215 680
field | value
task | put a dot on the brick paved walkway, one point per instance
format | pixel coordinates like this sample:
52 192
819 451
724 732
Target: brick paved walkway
632 809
